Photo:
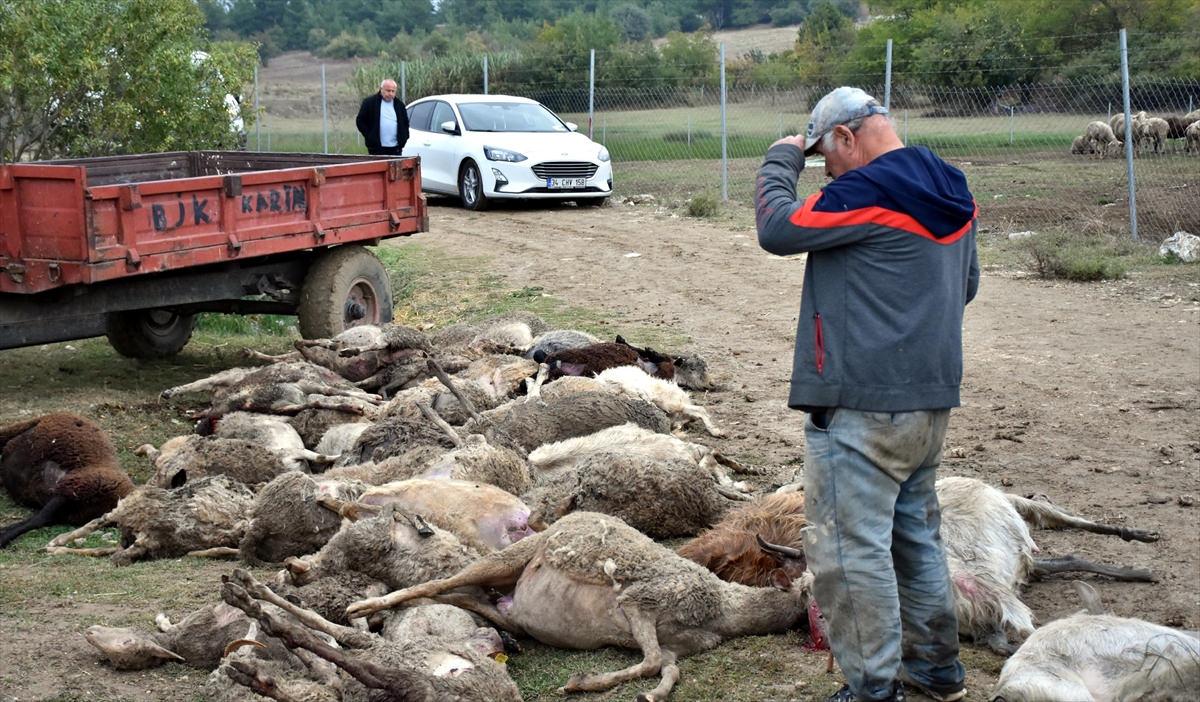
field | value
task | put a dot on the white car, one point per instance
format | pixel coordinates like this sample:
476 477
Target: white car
485 147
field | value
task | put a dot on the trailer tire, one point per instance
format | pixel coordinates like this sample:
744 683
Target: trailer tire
344 288
149 333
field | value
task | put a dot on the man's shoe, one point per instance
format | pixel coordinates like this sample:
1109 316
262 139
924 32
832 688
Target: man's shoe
939 693
845 695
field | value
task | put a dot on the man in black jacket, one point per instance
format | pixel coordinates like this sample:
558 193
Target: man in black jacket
383 121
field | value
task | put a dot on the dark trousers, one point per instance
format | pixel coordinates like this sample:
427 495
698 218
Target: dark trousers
385 150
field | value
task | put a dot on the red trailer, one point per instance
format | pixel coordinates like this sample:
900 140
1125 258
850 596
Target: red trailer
135 246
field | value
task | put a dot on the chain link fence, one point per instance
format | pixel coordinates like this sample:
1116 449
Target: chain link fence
676 139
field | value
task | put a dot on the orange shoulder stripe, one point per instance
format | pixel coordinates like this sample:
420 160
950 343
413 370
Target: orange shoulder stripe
807 217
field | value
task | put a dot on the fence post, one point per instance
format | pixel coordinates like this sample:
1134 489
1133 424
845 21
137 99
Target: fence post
1133 224
257 117
485 75
1010 121
403 87
324 109
591 91
724 134
887 78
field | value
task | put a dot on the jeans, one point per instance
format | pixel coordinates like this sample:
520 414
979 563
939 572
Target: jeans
874 547
385 150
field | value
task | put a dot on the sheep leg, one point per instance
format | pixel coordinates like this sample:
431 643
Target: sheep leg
499 570
98 552
224 379
432 415
311 387
698 412
216 552
353 511
296 636
45 516
77 535
126 556
998 642
279 358
1046 516
445 380
245 674
732 493
484 609
670 676
643 629
1071 564
350 405
534 389
307 455
344 635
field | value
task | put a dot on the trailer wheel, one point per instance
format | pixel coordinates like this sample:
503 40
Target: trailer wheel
346 287
149 333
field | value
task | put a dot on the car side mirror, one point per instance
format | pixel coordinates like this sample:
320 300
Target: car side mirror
572 126
450 127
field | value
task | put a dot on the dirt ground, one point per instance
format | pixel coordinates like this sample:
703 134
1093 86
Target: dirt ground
1088 393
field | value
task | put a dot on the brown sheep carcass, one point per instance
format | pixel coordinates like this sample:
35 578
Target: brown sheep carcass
63 464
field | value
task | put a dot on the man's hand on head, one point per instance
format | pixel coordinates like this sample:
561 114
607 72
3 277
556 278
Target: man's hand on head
795 140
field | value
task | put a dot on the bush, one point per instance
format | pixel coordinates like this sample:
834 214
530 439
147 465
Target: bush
1074 257
347 45
703 206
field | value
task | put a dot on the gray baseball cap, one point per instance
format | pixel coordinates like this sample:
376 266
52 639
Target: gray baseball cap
840 106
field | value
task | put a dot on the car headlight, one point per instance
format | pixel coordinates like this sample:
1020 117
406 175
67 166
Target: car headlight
603 155
494 154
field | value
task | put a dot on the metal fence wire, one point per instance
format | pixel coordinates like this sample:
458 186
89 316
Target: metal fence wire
678 139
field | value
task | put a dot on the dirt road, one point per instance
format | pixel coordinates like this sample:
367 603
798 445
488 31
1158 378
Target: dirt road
1088 393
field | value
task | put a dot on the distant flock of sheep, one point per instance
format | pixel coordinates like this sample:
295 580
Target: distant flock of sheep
1149 132
429 496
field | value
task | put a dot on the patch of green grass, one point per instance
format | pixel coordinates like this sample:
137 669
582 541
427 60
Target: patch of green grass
1071 256
247 324
703 205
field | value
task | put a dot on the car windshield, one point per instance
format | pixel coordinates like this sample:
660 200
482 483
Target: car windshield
508 117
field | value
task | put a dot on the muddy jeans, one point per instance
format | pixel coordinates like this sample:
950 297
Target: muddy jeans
873 546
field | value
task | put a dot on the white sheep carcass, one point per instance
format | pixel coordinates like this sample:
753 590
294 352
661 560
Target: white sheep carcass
1098 657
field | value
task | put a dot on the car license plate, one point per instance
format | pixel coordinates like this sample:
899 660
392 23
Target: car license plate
566 183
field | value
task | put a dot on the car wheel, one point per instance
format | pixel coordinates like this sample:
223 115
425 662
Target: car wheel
591 202
470 187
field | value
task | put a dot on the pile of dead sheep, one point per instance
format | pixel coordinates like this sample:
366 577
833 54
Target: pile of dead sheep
1150 134
428 496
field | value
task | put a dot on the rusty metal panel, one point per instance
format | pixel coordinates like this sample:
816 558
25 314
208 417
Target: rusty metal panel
56 231
49 219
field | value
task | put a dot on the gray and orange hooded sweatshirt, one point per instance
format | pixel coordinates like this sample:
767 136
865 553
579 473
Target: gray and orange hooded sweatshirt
891 266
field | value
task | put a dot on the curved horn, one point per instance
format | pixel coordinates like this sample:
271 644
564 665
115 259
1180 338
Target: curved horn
235 645
781 551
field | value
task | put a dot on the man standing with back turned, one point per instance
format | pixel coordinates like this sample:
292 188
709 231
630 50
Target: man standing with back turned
878 362
383 121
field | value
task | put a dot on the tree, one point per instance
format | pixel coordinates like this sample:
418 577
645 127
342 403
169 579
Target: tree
94 77
634 22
